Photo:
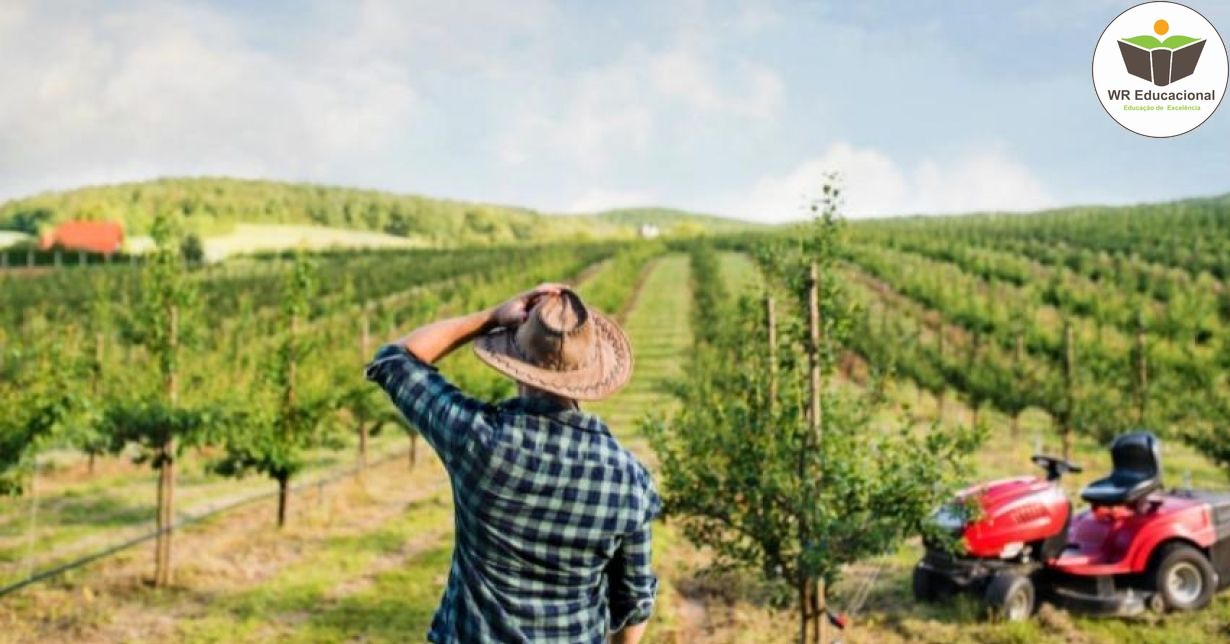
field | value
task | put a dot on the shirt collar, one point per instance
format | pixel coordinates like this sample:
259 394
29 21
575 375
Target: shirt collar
555 410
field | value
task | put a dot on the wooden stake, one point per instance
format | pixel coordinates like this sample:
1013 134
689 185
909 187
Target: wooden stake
816 421
1069 374
166 465
1142 370
364 353
289 405
815 416
1018 352
32 527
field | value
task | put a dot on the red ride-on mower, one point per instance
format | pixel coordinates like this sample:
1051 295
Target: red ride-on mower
1135 547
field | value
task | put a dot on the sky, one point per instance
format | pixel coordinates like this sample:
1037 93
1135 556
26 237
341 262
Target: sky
736 108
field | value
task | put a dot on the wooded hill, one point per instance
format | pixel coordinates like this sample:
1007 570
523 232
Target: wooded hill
213 206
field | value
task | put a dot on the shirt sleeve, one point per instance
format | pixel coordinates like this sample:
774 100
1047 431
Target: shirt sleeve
446 418
632 585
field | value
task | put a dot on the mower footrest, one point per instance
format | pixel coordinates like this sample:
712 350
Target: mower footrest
1121 603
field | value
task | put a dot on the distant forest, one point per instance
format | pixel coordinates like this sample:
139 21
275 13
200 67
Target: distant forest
212 206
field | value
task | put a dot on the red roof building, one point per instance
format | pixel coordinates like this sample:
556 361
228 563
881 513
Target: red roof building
104 237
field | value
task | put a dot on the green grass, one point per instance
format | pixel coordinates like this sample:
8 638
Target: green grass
301 603
659 328
79 515
739 274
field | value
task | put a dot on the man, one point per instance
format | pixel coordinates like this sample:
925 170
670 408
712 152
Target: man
552 515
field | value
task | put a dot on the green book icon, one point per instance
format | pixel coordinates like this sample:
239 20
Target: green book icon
1161 62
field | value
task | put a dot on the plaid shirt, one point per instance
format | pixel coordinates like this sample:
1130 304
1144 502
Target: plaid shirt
552 514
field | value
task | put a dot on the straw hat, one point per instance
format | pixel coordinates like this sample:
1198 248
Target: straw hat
562 347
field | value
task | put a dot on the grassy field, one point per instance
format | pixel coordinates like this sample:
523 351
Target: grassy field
78 512
255 238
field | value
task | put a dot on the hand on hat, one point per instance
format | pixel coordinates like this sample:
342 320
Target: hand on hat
513 312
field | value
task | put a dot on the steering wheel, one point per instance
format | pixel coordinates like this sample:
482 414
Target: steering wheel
1055 467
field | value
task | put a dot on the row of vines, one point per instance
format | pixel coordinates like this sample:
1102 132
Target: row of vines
1058 314
251 370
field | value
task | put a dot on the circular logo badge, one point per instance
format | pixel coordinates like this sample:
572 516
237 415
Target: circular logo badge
1159 69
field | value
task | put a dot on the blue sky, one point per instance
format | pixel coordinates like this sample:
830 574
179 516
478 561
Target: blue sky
735 108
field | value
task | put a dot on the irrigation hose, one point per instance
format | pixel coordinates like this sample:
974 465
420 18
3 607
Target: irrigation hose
55 571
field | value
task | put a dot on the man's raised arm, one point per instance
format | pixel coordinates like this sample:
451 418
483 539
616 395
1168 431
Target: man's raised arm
433 341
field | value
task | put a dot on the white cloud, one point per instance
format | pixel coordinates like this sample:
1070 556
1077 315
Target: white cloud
626 105
156 89
599 199
755 16
578 106
754 92
876 185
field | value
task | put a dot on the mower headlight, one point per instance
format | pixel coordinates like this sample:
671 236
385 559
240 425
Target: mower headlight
1011 550
949 519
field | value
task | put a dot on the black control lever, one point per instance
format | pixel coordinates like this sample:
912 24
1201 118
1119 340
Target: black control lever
1055 467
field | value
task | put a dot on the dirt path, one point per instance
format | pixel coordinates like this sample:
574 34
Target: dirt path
659 327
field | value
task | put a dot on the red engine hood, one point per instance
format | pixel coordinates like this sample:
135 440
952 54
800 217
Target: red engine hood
1021 510
996 493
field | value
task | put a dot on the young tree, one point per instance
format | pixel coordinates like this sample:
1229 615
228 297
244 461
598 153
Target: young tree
155 420
773 468
42 398
368 411
288 409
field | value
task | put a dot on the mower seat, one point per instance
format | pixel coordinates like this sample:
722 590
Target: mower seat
1138 471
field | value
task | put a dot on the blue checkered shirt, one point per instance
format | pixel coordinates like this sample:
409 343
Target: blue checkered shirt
552 514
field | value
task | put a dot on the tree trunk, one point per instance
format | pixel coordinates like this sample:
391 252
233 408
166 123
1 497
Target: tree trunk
804 585
816 414
96 377
165 515
283 498
292 366
166 467
414 445
820 612
816 422
32 526
770 315
364 347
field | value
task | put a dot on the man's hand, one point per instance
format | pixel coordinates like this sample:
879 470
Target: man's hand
630 634
434 341
513 312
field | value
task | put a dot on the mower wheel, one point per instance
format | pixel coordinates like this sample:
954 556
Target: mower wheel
1183 577
1010 597
930 586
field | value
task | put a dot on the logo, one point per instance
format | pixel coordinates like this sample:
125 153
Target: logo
1161 62
1160 45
